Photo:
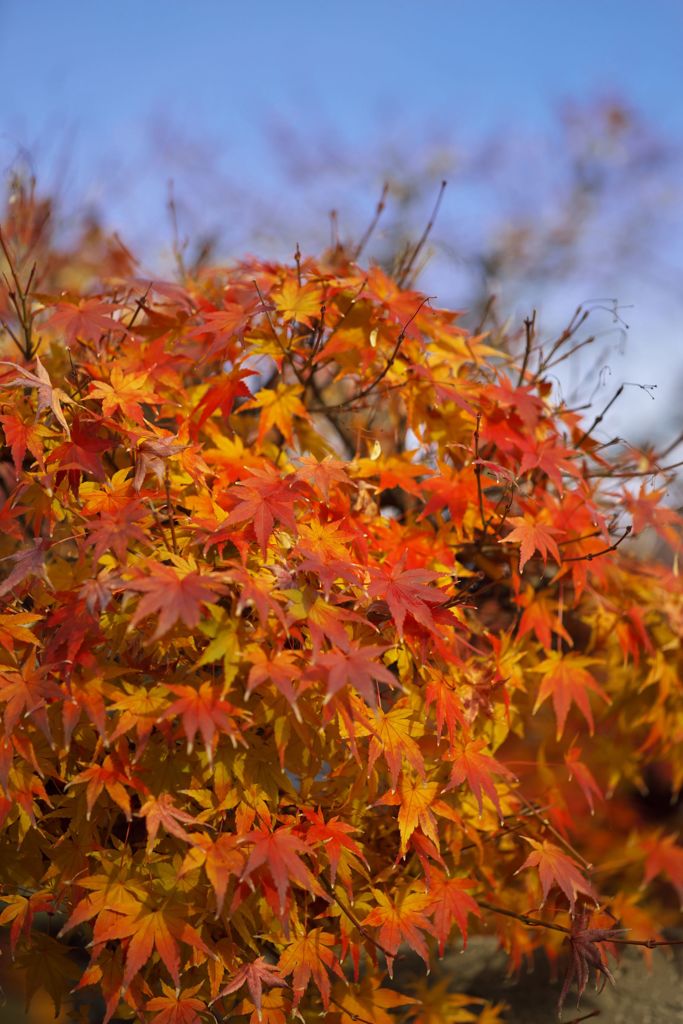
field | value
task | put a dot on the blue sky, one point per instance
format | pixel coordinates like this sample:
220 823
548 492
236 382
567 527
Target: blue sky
108 98
101 66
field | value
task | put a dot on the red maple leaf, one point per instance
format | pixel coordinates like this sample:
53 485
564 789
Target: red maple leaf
583 775
85 318
79 454
203 710
254 975
264 498
221 327
334 835
450 902
469 763
280 851
357 666
176 595
586 954
29 562
161 811
222 395
550 457
406 592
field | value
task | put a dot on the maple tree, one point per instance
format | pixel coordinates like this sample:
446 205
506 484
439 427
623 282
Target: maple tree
321 640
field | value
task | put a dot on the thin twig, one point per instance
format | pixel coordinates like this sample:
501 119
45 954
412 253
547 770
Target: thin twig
486 312
627 474
140 305
177 247
670 447
575 540
605 551
347 311
379 209
570 353
354 920
17 296
598 419
170 511
533 922
405 272
382 374
13 336
529 333
578 319
477 473
285 351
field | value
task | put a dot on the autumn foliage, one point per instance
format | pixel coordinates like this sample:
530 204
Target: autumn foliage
324 638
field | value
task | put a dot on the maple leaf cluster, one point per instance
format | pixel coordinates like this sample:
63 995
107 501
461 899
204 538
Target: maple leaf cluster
319 641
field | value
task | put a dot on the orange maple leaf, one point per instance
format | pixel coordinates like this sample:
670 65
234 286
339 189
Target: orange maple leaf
295 302
21 436
161 810
664 857
149 929
125 392
281 669
368 1002
177 1007
277 408
392 738
401 919
557 868
310 956
106 776
221 860
532 536
415 811
49 397
566 680
15 627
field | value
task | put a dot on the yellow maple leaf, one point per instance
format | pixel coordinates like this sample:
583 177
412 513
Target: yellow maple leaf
298 303
277 409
